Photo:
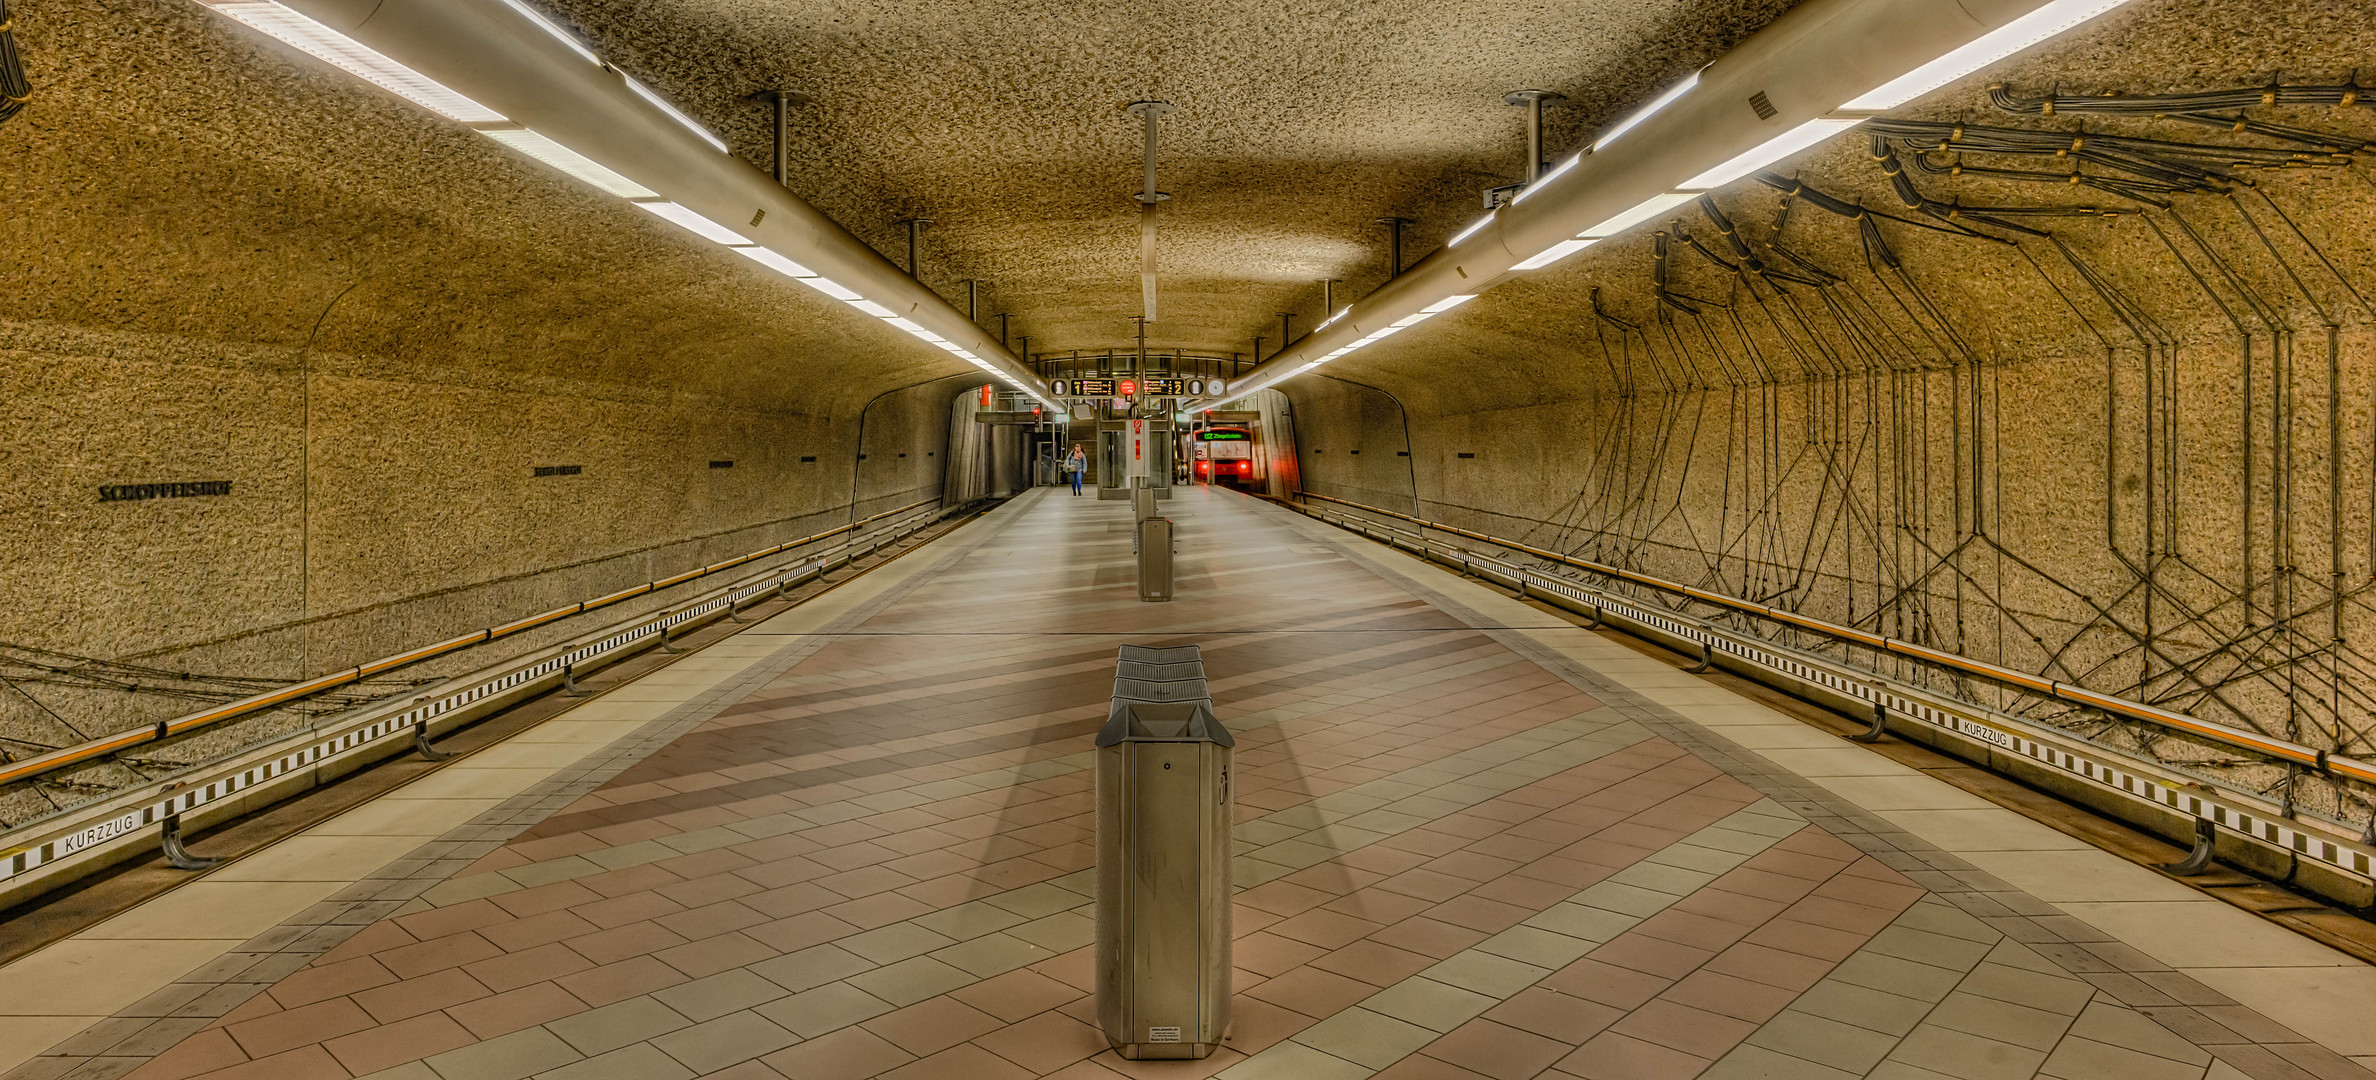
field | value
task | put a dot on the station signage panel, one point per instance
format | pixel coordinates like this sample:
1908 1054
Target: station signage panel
1106 386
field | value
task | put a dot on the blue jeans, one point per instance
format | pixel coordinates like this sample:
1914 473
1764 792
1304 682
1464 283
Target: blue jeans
1076 479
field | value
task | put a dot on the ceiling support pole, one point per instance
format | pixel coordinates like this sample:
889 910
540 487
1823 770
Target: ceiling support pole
1394 228
783 100
1534 100
1148 198
915 228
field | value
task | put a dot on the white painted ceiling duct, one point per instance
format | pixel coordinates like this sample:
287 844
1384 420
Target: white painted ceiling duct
1815 72
510 73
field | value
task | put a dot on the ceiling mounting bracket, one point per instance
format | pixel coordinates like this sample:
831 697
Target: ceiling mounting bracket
1148 197
783 100
1534 100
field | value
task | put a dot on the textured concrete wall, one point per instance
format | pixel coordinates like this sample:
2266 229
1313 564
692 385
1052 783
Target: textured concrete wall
225 263
2114 455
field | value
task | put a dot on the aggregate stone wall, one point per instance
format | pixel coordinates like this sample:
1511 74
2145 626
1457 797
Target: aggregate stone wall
446 387
2125 451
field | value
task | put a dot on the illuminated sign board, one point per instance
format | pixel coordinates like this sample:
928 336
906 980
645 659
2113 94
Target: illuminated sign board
1224 435
1106 386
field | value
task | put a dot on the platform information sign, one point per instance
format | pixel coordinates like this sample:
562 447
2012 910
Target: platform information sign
1106 386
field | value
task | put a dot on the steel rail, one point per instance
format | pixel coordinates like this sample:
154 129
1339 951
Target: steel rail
67 757
2251 742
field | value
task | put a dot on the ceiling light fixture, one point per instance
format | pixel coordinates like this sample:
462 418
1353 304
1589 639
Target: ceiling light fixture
1448 303
554 28
662 104
350 56
1554 253
1649 208
775 262
831 288
1647 111
571 162
695 223
1772 150
1457 237
1546 178
2047 22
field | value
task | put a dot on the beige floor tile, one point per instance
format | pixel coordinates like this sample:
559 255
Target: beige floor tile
608 708
530 755
710 659
581 732
321 858
21 1037
1689 696
89 977
1839 760
1992 829
1904 792
465 781
2329 1005
678 676
2205 933
2080 876
401 813
219 910
1789 736
1742 715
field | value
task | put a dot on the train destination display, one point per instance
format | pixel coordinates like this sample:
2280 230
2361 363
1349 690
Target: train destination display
1106 386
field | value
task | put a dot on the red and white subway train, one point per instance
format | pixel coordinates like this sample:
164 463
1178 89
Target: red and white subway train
1230 456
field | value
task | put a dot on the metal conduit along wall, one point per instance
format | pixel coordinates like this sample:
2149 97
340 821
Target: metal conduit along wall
82 839
2272 838
44 764
1804 67
2247 741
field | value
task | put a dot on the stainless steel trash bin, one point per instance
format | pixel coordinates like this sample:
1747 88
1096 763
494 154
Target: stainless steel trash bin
1155 559
1163 876
1142 502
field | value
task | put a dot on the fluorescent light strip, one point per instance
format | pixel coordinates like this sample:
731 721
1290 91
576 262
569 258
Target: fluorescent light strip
1463 234
662 104
695 223
872 308
1448 303
1554 253
350 56
1546 178
1650 208
1773 150
554 28
2049 21
571 162
1412 320
775 262
1647 111
830 287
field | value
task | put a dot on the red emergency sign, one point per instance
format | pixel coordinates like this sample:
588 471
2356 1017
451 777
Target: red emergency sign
1129 387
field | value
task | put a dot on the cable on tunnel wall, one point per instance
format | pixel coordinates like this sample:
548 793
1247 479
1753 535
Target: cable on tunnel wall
1817 437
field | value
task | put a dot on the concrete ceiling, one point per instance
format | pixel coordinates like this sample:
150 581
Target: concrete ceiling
1299 124
182 176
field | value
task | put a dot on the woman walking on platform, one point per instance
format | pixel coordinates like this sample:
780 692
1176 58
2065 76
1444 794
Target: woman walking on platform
1077 464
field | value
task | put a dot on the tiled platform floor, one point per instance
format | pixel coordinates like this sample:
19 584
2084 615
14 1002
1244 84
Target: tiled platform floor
1468 846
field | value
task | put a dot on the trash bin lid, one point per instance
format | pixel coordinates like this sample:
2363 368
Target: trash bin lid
1177 690
1163 721
1173 654
1144 672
